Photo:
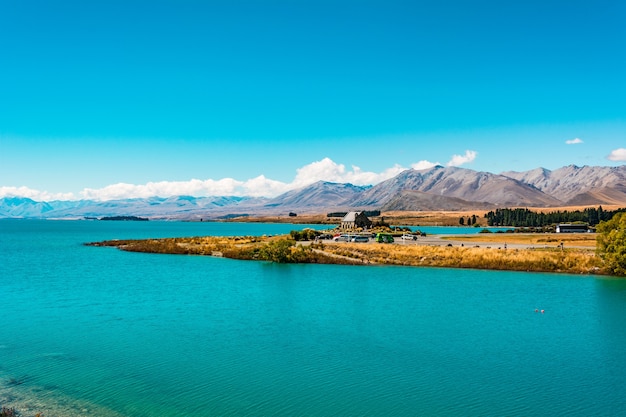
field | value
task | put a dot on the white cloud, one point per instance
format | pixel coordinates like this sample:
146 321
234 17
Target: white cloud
199 188
424 164
458 160
617 155
323 170
328 170
262 187
35 195
574 141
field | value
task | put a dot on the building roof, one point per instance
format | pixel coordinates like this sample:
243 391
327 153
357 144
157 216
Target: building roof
351 216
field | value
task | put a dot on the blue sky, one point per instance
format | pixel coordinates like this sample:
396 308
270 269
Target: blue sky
113 99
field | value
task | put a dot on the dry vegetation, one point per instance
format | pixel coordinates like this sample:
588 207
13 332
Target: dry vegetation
579 240
283 249
206 245
432 218
537 260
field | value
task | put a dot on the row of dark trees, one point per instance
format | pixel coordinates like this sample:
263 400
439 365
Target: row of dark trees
526 218
470 220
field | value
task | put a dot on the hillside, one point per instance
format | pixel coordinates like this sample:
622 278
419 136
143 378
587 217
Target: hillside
574 185
438 188
319 194
458 183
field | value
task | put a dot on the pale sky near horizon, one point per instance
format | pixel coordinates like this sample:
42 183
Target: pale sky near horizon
115 99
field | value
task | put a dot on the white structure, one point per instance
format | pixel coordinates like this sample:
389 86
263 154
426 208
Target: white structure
355 219
572 228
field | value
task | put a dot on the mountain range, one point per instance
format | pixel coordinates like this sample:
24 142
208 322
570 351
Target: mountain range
437 188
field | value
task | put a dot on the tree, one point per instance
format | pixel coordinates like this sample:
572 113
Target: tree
278 251
611 243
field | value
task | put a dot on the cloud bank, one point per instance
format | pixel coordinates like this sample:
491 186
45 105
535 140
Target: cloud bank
34 194
617 155
323 170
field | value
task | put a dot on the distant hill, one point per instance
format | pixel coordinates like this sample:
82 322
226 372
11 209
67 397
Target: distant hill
180 207
411 200
458 183
18 207
437 188
574 185
319 194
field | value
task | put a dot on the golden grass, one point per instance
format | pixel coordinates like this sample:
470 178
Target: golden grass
580 240
538 260
570 260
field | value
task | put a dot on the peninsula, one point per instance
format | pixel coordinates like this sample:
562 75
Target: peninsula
574 253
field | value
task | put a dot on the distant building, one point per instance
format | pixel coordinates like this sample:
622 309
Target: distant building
355 219
572 228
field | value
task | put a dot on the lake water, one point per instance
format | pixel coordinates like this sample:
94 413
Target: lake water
100 332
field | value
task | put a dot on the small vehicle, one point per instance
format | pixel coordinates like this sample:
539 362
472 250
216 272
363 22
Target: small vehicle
408 236
360 239
342 238
384 238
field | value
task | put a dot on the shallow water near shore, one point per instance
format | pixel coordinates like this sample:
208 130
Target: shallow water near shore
98 331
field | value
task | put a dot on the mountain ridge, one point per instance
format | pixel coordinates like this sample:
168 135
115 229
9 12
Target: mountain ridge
436 188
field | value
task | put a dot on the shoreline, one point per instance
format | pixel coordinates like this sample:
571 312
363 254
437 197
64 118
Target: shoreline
449 251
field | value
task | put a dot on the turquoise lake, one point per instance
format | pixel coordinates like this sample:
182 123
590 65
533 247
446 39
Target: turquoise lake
102 332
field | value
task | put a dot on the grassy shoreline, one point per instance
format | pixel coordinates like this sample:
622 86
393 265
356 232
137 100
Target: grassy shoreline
574 260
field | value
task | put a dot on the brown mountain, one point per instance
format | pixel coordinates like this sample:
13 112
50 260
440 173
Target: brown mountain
458 183
437 188
573 185
321 194
411 200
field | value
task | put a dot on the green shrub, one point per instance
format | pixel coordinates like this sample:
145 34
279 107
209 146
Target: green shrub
611 243
278 251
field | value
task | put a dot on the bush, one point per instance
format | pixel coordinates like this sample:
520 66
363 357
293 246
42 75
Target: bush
278 251
306 234
611 243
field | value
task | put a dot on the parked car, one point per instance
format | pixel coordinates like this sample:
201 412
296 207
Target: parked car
360 239
342 238
384 238
408 236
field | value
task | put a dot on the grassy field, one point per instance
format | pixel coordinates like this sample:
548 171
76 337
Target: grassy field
576 261
578 240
